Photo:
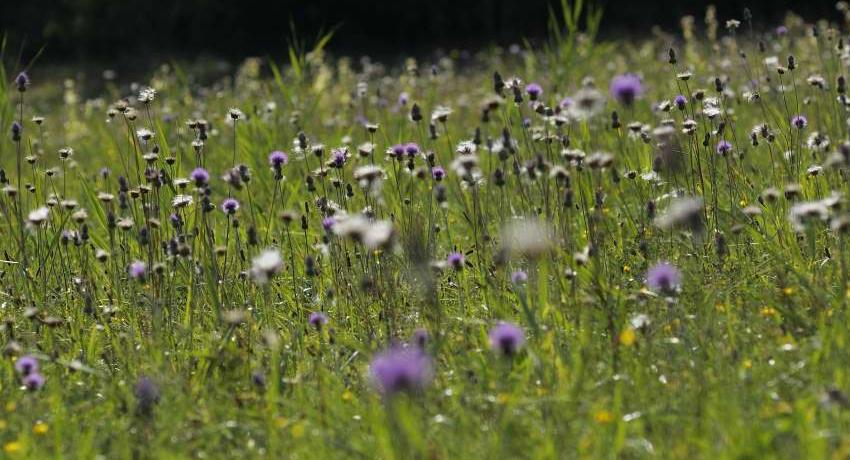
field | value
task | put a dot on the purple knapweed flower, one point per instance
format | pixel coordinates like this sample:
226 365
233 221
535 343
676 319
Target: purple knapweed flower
396 151
401 369
438 173
22 81
626 88
200 176
278 159
137 270
519 277
33 381
534 91
317 320
230 205
26 365
724 147
664 278
566 103
411 149
455 260
799 121
506 338
680 101
338 158
147 394
328 223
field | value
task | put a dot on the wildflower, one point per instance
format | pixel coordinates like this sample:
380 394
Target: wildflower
235 114
400 369
664 278
278 159
22 81
438 173
455 260
25 365
265 265
317 320
587 103
683 212
144 134
680 101
181 201
799 121
147 395
534 91
519 277
723 147
506 338
527 238
38 216
200 176
626 88
146 95
411 149
33 381
801 214
441 114
17 129
137 270
230 205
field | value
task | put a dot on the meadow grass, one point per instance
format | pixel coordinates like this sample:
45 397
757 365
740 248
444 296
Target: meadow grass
517 253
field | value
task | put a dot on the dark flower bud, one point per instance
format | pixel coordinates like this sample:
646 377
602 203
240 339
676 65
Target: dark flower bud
671 53
16 131
792 63
498 84
416 113
615 120
22 81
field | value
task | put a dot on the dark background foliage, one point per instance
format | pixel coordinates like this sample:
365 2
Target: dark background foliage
102 30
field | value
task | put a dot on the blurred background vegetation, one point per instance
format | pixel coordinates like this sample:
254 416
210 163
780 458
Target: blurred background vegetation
125 32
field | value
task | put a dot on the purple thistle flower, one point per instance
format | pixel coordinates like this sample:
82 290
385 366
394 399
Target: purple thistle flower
278 159
22 81
26 365
137 270
147 394
534 91
455 260
566 103
401 369
338 158
33 381
397 150
506 338
411 149
799 121
230 205
317 320
663 277
626 88
680 101
438 173
328 223
519 277
724 147
200 176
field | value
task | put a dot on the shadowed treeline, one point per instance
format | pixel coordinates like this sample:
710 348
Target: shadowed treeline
109 30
